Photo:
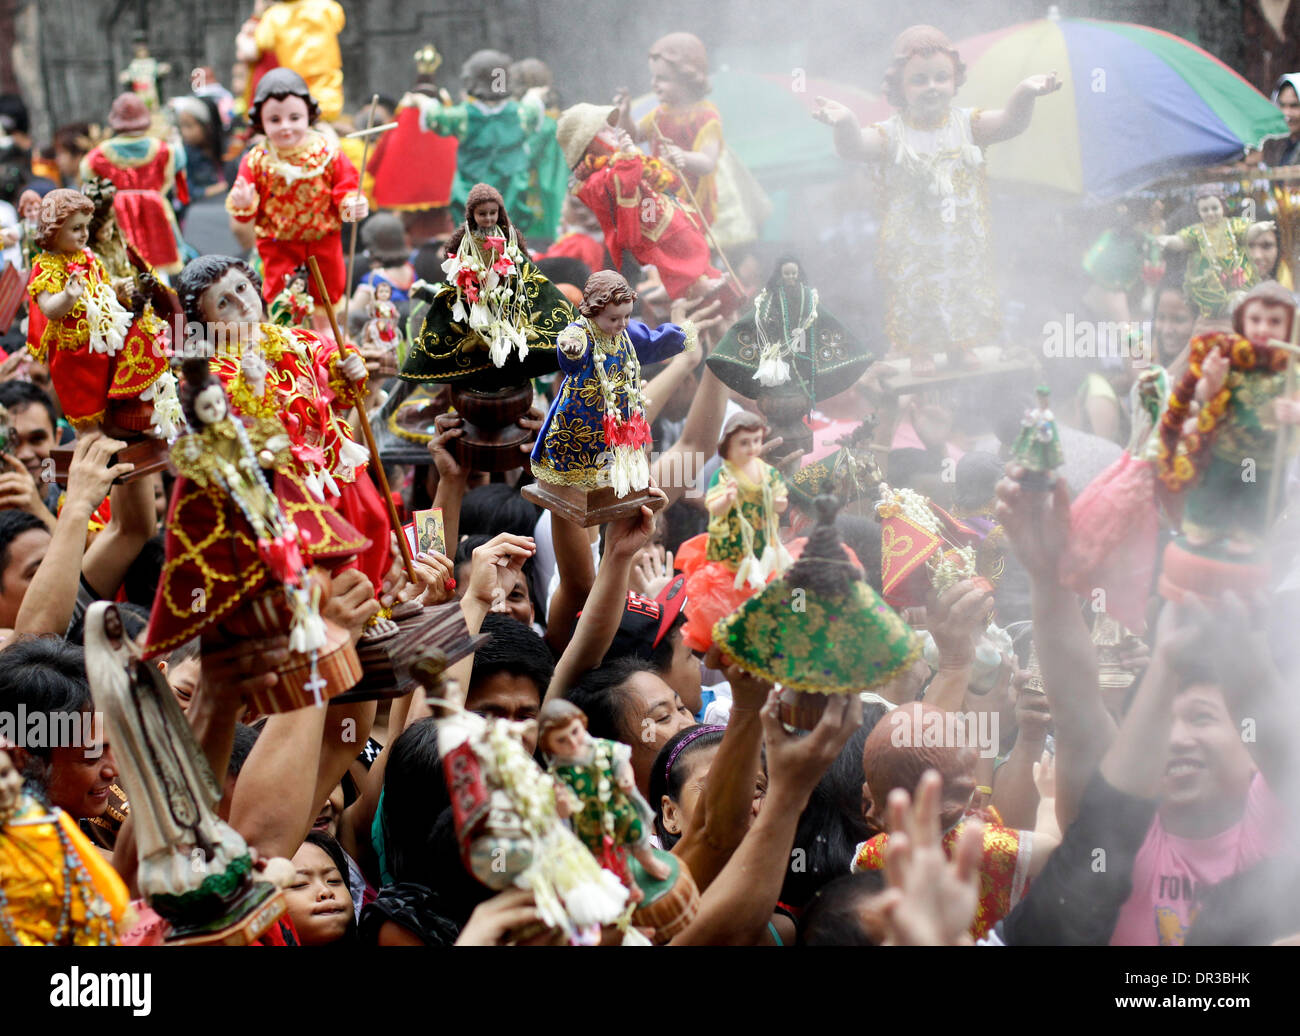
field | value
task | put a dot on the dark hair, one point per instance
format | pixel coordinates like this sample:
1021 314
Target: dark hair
241 747
831 825
831 917
45 675
775 281
13 114
667 778
192 649
603 695
496 508
564 269
18 395
201 273
14 523
465 556
907 463
977 476
661 656
862 536
279 84
338 857
141 580
419 826
515 649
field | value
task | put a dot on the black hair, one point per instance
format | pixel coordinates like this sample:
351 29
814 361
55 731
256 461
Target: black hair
515 649
496 508
135 620
191 649
465 555
775 281
13 523
907 463
564 269
830 827
661 656
241 747
977 476
668 780
141 580
831 917
18 395
419 825
13 114
862 536
46 676
338 857
602 693
279 84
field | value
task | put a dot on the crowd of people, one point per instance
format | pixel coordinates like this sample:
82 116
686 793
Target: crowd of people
1066 754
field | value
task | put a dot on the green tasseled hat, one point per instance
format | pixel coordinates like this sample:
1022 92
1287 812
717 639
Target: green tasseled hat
821 628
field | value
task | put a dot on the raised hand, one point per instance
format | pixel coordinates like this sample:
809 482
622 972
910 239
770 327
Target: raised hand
831 112
243 195
1042 84
1037 524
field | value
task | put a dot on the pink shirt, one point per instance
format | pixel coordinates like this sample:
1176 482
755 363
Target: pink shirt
1170 873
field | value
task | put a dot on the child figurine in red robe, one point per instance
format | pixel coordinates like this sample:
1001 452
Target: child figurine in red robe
301 379
684 130
143 169
108 369
296 187
632 197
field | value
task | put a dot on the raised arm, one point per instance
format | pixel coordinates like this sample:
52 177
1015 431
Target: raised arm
1014 119
1038 526
739 903
51 597
604 608
851 140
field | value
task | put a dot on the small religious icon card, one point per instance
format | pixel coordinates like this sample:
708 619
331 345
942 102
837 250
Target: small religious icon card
428 531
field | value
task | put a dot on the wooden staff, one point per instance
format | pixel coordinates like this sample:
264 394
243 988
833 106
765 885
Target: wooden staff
704 223
366 430
352 246
371 129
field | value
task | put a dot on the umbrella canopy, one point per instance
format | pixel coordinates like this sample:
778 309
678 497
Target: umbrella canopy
767 121
1137 104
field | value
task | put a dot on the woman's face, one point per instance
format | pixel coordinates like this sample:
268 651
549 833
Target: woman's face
1210 210
1263 253
191 129
1289 103
74 233
677 815
929 85
612 320
285 121
655 715
1174 320
80 777
320 905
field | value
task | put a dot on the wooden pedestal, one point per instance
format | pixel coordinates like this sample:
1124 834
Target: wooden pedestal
587 507
491 438
669 905
244 931
148 456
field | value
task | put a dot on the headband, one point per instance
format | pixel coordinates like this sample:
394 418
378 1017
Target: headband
690 736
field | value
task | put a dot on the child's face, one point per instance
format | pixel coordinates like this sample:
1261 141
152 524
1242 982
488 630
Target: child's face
1264 321
744 446
285 121
191 129
929 85
486 215
1210 209
614 138
612 320
666 85
73 235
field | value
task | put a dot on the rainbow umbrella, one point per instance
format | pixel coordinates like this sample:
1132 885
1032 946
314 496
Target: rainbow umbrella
767 121
1137 104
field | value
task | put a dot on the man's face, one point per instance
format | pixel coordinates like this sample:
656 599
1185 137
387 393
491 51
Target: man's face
1208 763
1289 103
80 778
26 552
33 437
232 308
507 696
684 674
